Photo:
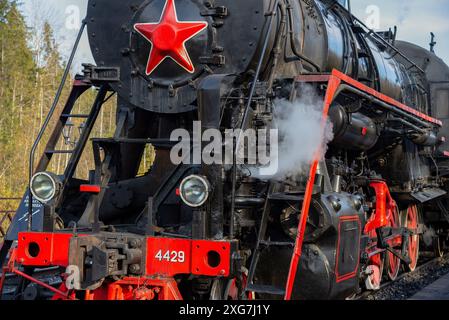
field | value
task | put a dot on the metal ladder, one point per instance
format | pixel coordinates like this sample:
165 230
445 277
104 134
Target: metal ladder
263 243
79 88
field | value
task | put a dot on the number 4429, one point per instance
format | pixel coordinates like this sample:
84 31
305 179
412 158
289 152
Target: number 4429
171 256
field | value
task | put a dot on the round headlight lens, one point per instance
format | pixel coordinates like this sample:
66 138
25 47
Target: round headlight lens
194 190
44 186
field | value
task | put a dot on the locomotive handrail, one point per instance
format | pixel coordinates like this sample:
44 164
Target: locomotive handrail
345 87
396 50
48 118
389 102
379 38
375 96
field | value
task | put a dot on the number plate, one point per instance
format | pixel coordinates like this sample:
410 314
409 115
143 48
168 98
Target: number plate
168 257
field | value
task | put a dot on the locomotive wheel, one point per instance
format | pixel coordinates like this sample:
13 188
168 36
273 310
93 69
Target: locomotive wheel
228 289
375 272
393 263
222 287
410 220
375 268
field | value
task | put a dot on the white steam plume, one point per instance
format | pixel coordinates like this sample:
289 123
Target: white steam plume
300 133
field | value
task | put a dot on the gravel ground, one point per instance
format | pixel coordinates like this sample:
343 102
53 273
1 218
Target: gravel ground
412 283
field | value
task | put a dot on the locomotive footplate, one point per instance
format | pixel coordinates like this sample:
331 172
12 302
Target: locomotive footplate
99 256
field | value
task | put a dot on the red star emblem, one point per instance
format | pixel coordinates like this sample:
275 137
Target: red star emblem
168 38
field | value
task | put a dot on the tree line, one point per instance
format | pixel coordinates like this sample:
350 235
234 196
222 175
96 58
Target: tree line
31 66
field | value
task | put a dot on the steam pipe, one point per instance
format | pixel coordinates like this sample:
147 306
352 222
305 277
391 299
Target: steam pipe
246 112
374 35
298 55
277 48
345 87
406 123
259 68
47 121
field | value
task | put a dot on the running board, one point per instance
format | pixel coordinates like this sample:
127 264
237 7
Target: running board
428 194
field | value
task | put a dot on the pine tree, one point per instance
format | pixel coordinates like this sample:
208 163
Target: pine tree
31 67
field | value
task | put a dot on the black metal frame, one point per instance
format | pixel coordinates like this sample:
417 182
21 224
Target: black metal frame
48 118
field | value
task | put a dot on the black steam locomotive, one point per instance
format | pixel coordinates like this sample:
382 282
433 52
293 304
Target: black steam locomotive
194 230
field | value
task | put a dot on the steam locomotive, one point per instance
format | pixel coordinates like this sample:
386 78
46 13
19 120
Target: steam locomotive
358 215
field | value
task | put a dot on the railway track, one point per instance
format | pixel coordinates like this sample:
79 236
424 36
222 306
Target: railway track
409 283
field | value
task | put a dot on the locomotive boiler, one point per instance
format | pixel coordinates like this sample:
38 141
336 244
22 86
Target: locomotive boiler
194 230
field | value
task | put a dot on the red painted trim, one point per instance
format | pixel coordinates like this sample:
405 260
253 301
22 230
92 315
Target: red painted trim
2 279
86 188
333 85
384 98
53 249
68 294
194 259
80 83
350 275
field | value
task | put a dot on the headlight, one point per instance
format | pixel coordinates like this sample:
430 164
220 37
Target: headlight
45 186
194 190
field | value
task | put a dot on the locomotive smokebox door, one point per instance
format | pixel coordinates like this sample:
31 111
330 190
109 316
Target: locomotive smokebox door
168 52
165 47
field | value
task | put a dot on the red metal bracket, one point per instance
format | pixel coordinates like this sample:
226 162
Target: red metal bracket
86 188
2 279
169 257
384 206
43 249
137 289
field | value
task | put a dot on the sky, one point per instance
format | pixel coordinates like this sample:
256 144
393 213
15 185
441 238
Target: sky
415 20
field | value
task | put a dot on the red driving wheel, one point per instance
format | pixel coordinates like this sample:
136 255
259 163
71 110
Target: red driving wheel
375 271
411 222
375 266
393 263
